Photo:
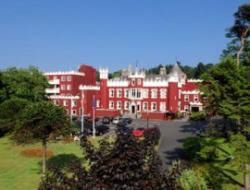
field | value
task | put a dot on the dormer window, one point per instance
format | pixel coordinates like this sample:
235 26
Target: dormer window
139 81
133 82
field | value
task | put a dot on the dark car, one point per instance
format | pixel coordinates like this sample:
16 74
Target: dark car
127 120
106 120
100 129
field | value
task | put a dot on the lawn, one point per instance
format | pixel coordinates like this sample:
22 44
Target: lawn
19 172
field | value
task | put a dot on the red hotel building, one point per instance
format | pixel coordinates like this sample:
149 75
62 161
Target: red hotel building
134 93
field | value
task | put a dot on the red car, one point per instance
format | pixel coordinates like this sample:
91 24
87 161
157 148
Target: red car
139 132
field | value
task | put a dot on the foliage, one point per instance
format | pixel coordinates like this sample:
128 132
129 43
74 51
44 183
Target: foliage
173 173
27 84
241 29
10 111
189 180
152 136
40 120
228 91
127 163
197 116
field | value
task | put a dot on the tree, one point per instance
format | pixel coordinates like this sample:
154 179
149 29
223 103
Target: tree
241 28
200 69
10 111
38 122
228 91
27 84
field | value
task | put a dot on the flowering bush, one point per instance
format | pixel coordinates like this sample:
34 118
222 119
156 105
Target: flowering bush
36 152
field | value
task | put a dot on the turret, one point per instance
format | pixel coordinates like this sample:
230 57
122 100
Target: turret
103 87
103 73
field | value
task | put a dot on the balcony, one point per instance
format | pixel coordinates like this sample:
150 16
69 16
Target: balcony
54 82
52 90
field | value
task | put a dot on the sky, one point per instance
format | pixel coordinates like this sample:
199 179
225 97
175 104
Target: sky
58 35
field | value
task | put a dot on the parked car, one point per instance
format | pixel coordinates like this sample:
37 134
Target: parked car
106 120
116 120
139 132
128 120
100 129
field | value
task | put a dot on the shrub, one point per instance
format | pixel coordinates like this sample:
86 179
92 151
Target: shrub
197 116
36 152
152 135
189 180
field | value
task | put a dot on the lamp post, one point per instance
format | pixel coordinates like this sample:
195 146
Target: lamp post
93 122
147 118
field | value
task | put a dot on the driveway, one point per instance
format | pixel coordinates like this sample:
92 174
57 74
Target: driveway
172 135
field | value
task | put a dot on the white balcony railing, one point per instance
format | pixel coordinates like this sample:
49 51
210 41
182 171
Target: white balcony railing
52 90
54 81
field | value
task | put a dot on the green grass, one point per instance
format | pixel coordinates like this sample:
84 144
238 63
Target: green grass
19 172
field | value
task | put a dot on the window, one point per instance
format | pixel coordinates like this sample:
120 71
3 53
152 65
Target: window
163 93
186 108
73 112
145 106
154 106
126 92
111 93
133 93
133 82
162 106
54 77
196 98
154 93
126 105
119 105
111 105
56 102
138 93
63 78
68 78
68 87
65 102
139 81
74 103
97 103
145 93
119 93
63 87
186 98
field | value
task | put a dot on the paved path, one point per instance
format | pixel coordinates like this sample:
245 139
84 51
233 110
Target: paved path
172 135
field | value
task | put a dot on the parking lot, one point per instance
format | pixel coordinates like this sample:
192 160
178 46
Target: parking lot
172 135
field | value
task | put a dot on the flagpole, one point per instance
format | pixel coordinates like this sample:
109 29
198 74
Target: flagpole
94 131
71 101
82 115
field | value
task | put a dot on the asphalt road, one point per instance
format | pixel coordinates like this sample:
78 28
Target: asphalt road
172 135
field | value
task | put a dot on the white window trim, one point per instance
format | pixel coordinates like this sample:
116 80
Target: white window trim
111 95
119 105
163 93
186 98
111 103
118 91
154 93
152 107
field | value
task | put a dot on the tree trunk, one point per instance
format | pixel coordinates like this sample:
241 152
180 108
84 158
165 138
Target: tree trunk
242 44
44 157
